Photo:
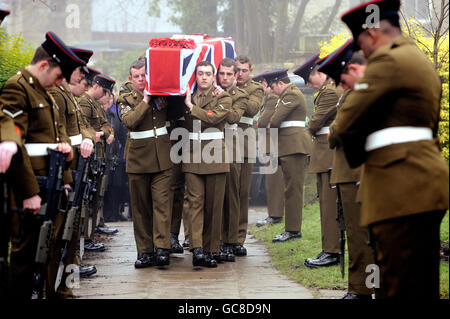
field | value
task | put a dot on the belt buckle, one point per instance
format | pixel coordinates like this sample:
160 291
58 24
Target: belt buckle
154 132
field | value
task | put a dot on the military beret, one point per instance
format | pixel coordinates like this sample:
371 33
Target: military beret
84 55
105 82
67 60
3 14
358 19
275 75
336 62
305 69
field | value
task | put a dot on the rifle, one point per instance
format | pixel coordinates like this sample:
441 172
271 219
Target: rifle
103 184
112 161
4 232
72 221
54 186
340 220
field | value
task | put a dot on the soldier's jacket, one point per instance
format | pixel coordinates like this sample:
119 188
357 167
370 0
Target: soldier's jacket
8 131
324 113
268 109
291 106
255 93
212 112
239 99
341 170
148 155
94 114
399 88
127 87
36 115
70 116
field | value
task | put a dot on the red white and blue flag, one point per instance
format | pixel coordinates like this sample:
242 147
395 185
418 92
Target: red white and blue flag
170 63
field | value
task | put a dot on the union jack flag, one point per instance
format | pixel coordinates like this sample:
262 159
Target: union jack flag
170 63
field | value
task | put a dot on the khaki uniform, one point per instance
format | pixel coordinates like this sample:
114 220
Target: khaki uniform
404 192
36 114
273 182
255 93
205 182
320 163
294 143
360 254
149 171
231 211
95 116
8 131
70 117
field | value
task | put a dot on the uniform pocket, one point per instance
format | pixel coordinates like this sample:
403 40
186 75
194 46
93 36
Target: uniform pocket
387 157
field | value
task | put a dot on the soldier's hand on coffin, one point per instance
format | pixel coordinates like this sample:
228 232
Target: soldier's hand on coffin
86 147
188 100
33 204
147 98
7 150
110 139
98 135
218 90
65 148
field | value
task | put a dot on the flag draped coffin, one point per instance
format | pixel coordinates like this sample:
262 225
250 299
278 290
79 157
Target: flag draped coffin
170 63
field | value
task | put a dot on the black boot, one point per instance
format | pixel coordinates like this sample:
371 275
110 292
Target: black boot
199 258
239 250
186 243
324 259
145 260
162 257
228 251
175 246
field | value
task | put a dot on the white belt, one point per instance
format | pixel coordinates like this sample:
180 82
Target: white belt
292 124
76 140
231 126
323 130
39 149
206 136
147 134
396 135
246 120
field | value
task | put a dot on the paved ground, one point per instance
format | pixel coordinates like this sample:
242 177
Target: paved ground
250 277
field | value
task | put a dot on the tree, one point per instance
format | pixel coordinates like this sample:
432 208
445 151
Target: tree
14 53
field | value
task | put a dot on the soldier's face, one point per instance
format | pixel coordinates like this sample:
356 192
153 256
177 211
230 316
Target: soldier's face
267 89
204 77
52 76
80 88
277 88
226 76
77 76
243 73
137 78
353 74
366 42
316 80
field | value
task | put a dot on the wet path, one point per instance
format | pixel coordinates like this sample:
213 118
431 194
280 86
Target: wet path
250 277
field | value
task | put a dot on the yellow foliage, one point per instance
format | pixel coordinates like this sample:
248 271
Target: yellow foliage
327 47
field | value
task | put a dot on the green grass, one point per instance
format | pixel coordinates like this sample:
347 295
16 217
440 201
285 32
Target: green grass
288 257
444 228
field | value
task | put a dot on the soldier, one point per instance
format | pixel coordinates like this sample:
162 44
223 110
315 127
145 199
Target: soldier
226 78
81 138
93 114
205 178
24 97
274 181
321 159
149 170
390 123
294 144
344 62
255 93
